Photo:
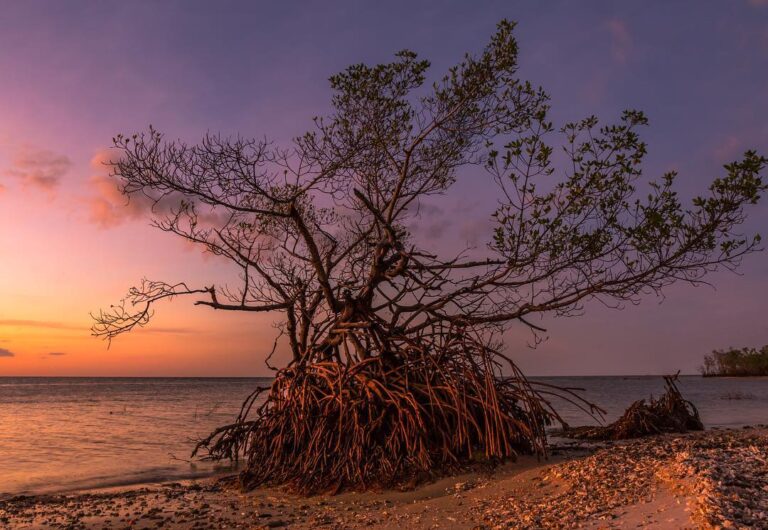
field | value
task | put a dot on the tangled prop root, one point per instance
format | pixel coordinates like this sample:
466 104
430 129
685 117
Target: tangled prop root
671 413
326 426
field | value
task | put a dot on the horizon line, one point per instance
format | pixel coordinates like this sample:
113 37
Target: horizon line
272 376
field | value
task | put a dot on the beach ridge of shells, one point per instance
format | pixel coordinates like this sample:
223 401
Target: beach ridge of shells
721 474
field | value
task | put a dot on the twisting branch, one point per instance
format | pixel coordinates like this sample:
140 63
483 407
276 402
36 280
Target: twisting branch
396 364
135 310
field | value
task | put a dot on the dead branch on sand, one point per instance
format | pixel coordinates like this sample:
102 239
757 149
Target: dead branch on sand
670 413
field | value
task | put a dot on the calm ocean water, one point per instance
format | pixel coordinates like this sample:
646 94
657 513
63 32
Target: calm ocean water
63 434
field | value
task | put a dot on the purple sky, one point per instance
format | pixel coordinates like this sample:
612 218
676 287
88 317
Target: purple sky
72 74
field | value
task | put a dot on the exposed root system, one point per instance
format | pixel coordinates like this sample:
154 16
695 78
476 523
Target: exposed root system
671 413
325 426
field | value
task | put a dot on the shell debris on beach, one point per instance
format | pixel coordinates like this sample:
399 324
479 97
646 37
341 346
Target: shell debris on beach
713 479
721 475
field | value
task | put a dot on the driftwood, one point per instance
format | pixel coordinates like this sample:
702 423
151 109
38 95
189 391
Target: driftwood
670 413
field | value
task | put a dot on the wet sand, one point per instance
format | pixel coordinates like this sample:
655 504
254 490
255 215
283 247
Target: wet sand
703 480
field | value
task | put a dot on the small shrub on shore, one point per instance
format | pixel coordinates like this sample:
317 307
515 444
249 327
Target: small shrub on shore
736 362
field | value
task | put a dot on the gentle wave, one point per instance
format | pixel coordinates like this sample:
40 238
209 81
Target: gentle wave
65 434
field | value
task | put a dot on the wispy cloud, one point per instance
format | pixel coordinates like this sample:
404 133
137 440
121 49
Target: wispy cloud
178 331
56 354
476 231
621 40
38 324
107 207
727 148
40 168
62 325
430 221
6 353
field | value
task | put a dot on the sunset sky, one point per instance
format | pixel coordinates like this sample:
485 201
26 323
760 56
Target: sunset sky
73 74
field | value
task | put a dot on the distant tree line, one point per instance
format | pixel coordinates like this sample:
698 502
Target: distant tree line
736 362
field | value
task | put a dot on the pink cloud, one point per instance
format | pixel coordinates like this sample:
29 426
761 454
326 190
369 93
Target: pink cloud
39 167
727 148
758 3
595 88
107 207
621 40
732 145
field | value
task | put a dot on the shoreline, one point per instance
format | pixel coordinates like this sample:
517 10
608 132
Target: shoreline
139 480
702 479
147 479
730 376
101 449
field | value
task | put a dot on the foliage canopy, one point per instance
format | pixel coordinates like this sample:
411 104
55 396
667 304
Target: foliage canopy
395 362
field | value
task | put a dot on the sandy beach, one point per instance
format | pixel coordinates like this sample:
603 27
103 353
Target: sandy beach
717 478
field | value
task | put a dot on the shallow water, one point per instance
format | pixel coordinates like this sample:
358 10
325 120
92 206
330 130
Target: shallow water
721 401
62 434
59 434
